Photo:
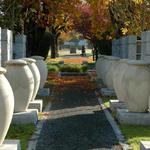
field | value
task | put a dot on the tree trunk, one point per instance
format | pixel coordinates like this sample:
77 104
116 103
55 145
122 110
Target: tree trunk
53 47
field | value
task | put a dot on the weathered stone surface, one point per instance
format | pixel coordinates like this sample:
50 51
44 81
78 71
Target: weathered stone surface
6 45
19 47
36 104
107 92
116 104
134 118
30 116
10 145
145 145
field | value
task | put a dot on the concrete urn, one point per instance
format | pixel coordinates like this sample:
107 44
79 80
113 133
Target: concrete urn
110 66
6 105
118 83
42 69
36 74
22 82
137 85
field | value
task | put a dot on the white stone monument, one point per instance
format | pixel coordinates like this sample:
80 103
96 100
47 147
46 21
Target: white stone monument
145 45
6 45
0 46
19 47
132 46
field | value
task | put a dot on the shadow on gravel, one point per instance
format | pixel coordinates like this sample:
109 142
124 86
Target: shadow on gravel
80 132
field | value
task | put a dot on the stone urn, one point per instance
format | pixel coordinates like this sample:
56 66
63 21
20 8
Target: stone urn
110 67
42 69
6 105
22 82
118 83
36 74
137 85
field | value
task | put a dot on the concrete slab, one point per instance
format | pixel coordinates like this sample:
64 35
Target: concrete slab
36 104
11 145
116 104
134 118
30 116
107 92
44 92
144 145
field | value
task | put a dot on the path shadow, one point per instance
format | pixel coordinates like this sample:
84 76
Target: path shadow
80 132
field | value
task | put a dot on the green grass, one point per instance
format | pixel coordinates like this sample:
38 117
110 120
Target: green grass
134 134
106 102
22 132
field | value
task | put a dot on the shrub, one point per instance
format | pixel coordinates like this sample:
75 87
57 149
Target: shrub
84 68
70 68
53 68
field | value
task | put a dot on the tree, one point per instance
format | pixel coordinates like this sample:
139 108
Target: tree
130 16
93 21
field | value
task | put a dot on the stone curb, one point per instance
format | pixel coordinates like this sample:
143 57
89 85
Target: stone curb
33 140
115 127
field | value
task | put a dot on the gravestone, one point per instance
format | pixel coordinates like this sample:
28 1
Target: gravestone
145 45
132 46
19 48
6 45
0 46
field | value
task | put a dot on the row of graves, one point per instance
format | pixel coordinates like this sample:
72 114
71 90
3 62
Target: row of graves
21 79
126 74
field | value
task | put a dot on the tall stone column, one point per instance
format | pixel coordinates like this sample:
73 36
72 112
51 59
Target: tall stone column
19 47
145 45
6 45
118 47
0 46
132 46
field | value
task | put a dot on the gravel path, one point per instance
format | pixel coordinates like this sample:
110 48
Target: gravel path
76 121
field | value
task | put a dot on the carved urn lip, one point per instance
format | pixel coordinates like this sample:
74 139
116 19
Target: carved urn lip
38 57
138 62
18 62
2 70
29 60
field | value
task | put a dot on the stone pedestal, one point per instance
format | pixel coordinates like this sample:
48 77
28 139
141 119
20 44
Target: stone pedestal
44 92
132 46
145 145
116 104
36 104
107 92
6 45
10 145
133 118
30 116
19 47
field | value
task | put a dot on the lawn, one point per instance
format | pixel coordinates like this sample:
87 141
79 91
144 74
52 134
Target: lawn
22 132
132 133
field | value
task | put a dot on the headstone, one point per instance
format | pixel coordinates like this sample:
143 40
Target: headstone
145 44
118 47
124 52
0 46
6 45
19 48
132 46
